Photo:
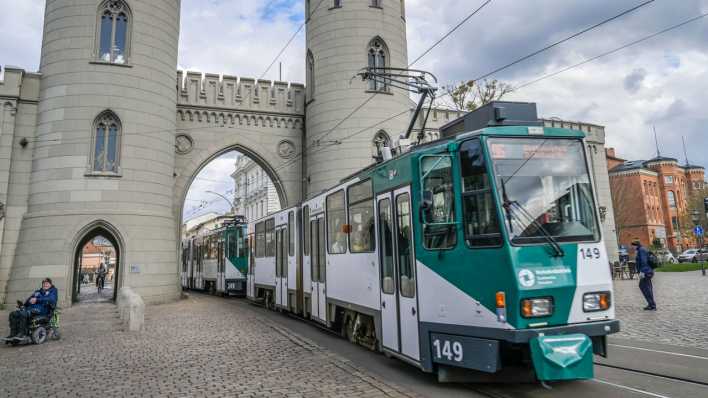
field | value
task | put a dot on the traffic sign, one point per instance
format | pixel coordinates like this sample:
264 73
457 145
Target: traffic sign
698 231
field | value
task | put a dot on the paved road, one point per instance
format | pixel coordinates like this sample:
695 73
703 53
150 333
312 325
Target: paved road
682 317
212 346
202 346
609 381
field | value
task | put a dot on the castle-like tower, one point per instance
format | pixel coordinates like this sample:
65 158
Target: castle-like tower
342 38
104 151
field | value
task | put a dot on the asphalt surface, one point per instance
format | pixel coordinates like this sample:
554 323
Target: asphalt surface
633 369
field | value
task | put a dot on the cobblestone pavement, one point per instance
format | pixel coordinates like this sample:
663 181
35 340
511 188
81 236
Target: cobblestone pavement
89 294
201 346
682 317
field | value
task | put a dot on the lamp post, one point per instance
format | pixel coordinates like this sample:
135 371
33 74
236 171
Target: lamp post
231 205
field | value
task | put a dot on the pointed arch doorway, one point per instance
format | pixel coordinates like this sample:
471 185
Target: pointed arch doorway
99 245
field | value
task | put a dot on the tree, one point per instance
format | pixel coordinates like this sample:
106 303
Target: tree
694 203
470 95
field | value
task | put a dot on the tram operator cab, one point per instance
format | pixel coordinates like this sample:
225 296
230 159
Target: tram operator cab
511 268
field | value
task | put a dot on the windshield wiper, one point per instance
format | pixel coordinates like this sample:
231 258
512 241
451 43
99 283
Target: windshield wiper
510 215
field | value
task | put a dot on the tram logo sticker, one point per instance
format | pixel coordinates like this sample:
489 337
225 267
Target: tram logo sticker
527 278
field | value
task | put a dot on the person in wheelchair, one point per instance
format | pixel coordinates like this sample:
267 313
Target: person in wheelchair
40 304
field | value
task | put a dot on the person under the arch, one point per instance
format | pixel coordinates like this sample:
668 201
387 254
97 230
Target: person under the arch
40 303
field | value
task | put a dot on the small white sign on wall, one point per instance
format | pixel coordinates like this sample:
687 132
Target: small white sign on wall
135 269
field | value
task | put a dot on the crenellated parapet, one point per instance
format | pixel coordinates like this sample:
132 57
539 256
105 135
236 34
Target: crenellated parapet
230 97
18 84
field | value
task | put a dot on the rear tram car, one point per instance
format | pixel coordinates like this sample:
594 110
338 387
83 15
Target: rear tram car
476 255
217 261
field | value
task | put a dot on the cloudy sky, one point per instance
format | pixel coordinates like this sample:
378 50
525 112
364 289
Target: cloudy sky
662 82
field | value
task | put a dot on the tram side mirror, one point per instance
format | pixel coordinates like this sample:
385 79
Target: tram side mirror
426 206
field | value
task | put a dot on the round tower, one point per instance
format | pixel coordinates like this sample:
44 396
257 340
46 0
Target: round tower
342 38
104 152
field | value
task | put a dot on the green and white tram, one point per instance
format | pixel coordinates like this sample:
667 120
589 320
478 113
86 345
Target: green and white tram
217 261
475 255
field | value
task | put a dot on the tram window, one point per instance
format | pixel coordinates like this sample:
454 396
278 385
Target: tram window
547 185
480 221
405 246
260 240
439 230
306 231
336 218
291 234
386 244
270 238
361 217
313 260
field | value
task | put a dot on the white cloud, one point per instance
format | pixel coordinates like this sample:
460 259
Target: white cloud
238 37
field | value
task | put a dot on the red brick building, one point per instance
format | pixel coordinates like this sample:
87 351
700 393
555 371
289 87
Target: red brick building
651 198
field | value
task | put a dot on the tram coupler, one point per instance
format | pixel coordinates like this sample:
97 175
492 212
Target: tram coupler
562 357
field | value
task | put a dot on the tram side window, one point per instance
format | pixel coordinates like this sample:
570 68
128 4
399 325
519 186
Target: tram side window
291 234
336 218
231 247
386 244
439 230
260 240
361 217
481 224
405 246
270 237
306 231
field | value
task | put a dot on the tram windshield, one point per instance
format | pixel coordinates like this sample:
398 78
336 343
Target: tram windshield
545 190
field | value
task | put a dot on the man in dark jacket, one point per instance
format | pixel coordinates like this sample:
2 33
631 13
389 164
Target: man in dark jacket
39 303
645 274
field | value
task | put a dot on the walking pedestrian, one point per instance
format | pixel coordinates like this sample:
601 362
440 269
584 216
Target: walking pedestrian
101 276
646 273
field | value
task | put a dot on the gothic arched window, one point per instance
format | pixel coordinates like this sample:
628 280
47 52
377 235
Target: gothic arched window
310 78
378 58
381 140
105 155
113 33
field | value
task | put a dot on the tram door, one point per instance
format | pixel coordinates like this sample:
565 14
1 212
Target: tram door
317 269
281 267
399 305
251 276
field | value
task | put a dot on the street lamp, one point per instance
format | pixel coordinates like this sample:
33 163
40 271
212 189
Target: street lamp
231 205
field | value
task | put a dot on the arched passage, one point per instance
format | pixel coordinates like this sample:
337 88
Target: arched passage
86 237
272 172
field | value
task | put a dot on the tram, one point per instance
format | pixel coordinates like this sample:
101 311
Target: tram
473 256
217 261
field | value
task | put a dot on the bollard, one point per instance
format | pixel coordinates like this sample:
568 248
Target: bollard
703 268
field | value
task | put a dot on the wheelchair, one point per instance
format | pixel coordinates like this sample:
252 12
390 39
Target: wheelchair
41 328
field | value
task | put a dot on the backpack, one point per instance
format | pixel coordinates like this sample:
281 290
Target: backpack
653 260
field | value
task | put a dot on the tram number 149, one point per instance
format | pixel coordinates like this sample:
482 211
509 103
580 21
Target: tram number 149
445 349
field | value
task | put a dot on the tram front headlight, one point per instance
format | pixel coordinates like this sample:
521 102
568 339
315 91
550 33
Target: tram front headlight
598 301
537 307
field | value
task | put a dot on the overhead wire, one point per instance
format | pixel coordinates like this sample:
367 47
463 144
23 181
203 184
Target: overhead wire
467 18
630 44
559 42
297 32
318 140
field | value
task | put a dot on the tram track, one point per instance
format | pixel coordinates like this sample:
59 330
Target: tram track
653 374
509 391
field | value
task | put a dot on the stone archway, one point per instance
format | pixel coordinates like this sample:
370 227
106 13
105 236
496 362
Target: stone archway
87 234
